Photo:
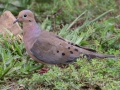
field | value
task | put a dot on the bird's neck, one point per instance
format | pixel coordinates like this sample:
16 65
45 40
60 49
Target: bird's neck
31 32
31 29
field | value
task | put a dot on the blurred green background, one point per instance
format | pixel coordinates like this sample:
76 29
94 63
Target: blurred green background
90 23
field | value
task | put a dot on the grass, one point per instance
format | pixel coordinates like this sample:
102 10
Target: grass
88 23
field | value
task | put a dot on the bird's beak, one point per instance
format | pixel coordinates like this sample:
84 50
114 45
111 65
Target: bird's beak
16 20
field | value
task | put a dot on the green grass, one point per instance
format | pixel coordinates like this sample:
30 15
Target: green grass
88 23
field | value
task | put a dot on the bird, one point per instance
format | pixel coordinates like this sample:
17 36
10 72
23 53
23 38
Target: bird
48 48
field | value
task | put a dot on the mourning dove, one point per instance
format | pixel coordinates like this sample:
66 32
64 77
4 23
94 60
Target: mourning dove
48 48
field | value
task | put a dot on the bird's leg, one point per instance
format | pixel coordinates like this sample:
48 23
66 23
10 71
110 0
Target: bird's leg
43 70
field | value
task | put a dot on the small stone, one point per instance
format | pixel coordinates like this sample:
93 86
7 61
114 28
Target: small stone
6 23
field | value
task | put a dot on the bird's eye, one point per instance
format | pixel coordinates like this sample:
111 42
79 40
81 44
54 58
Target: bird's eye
25 15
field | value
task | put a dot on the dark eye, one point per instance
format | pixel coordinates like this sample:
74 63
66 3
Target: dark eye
25 15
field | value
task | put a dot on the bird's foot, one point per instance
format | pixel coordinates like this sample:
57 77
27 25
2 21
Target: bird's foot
43 70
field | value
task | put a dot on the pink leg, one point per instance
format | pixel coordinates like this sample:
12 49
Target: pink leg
43 70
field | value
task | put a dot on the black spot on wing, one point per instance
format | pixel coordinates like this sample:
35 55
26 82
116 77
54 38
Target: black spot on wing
63 54
68 47
71 52
76 50
68 42
57 51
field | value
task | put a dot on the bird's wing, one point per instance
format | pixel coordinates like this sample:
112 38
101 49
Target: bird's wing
52 49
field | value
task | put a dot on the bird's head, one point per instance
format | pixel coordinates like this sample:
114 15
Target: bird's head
25 16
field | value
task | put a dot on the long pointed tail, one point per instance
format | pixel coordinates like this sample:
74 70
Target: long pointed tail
97 55
93 54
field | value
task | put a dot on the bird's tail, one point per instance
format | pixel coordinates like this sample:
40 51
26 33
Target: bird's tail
97 55
90 54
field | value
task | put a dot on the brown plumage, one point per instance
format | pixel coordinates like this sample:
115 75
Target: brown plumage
46 47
